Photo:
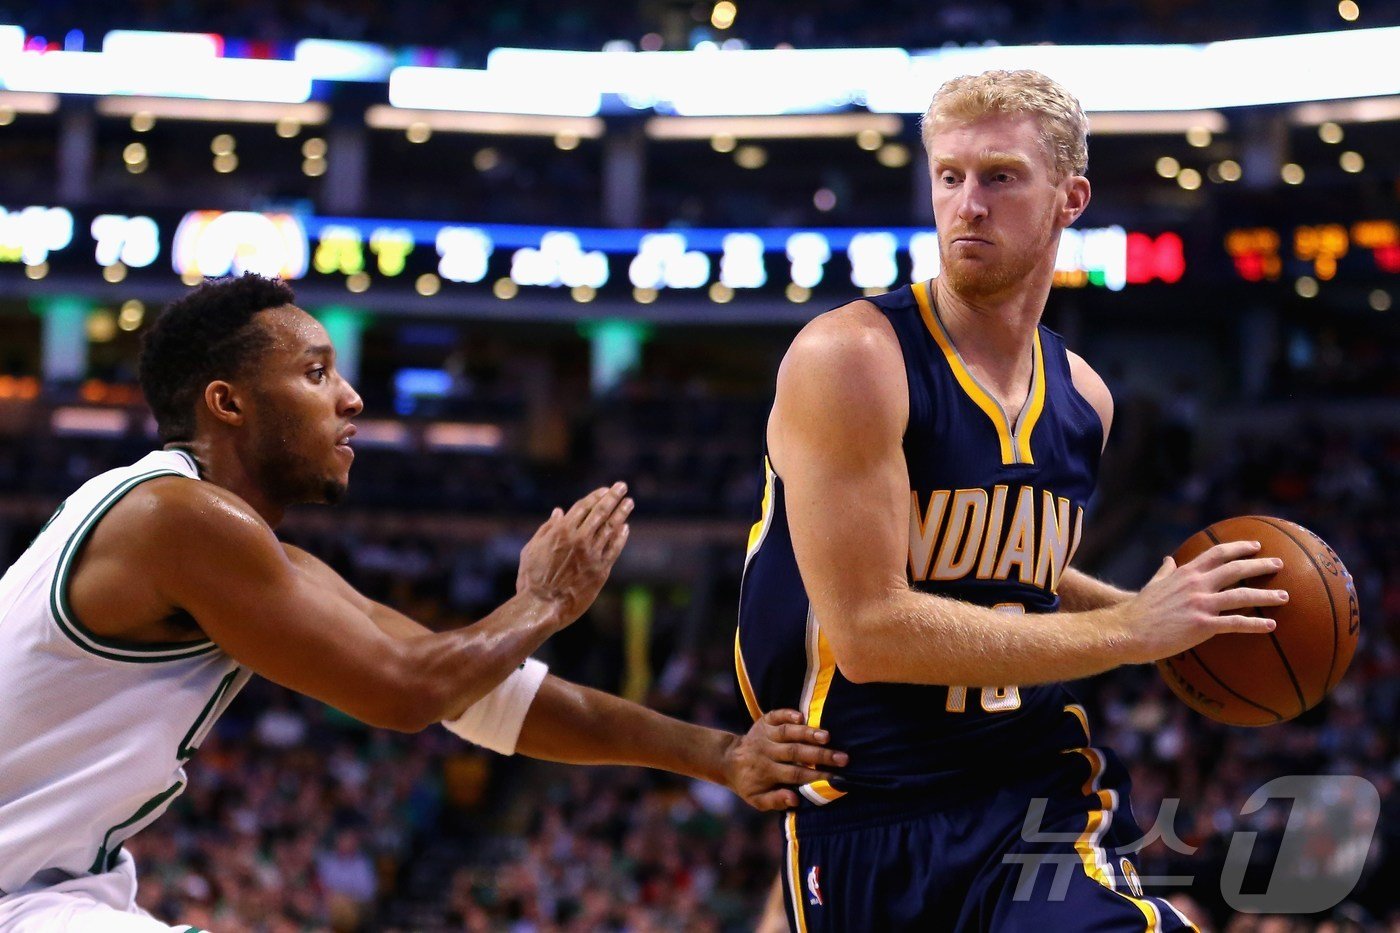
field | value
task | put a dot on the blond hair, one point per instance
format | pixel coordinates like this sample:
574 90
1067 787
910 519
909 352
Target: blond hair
1063 127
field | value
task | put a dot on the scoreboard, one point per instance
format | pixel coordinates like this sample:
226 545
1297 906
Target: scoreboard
503 260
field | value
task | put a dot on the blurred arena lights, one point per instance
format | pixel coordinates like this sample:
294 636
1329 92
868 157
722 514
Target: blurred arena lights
386 117
751 156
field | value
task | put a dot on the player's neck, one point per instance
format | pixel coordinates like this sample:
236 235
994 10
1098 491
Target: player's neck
224 468
993 334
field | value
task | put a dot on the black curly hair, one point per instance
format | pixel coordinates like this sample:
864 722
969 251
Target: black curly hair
208 334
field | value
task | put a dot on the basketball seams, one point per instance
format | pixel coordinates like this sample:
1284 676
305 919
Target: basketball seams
1231 690
1273 638
1331 603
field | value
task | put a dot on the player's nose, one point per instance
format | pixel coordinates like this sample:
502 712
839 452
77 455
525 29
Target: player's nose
971 203
350 402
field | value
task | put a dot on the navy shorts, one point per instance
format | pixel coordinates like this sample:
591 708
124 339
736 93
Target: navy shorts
973 861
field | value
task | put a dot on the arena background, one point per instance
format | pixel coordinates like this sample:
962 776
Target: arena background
482 241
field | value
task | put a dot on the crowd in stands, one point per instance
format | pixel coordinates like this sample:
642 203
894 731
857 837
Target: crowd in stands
298 818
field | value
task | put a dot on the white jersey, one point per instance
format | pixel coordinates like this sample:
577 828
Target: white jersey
94 733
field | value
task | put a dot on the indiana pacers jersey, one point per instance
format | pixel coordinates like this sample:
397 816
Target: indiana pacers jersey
94 733
996 510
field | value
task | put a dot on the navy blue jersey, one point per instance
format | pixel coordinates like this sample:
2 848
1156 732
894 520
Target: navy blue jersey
996 512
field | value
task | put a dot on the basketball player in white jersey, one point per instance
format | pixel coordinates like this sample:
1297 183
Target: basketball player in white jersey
158 589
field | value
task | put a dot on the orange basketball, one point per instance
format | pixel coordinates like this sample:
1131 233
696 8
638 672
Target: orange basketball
1256 680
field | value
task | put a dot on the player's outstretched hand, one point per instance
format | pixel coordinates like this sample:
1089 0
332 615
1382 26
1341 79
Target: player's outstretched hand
569 558
1182 606
778 753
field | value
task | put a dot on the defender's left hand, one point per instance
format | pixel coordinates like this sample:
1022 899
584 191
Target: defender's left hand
778 753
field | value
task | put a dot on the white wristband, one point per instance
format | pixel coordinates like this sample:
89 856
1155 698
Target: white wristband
494 721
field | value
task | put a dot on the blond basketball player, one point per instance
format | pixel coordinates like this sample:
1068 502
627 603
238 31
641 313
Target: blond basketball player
158 589
930 454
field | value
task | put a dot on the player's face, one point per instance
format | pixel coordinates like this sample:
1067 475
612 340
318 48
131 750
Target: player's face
997 205
300 412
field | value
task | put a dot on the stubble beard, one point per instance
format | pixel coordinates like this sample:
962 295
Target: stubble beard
288 475
987 279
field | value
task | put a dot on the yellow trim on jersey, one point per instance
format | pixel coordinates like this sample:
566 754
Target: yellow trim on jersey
1015 441
794 869
1026 424
1091 854
759 530
824 669
745 685
1083 718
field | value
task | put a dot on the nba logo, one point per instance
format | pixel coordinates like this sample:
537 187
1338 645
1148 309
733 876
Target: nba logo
814 886
1130 875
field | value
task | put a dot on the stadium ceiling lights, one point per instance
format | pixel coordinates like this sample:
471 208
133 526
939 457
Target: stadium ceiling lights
804 126
385 117
1373 110
235 111
1163 122
26 102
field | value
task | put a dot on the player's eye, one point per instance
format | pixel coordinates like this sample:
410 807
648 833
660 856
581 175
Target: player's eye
948 178
318 374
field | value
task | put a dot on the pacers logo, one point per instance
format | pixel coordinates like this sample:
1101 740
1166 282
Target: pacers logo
814 886
1130 875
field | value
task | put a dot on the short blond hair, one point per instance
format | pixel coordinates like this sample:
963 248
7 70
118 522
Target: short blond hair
1063 127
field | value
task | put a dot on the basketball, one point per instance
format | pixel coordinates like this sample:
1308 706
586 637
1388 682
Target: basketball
1255 680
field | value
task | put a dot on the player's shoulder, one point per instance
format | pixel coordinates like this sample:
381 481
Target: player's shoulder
844 373
852 340
174 512
1088 383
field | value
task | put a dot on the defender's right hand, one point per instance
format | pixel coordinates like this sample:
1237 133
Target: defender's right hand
568 560
1182 606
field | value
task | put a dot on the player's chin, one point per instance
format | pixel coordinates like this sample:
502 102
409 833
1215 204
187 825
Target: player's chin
333 491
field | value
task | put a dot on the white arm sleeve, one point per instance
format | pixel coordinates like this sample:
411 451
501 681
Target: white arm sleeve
494 721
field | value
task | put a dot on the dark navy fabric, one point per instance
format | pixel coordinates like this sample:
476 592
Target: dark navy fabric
900 736
924 830
970 864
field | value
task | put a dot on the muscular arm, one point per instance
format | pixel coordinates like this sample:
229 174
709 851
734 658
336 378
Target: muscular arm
835 437
1080 592
577 725
201 549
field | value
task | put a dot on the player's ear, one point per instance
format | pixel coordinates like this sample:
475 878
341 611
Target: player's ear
1076 188
223 402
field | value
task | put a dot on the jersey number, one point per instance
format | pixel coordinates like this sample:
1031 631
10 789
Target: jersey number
994 699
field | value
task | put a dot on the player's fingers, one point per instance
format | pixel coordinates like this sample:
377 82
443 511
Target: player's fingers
601 510
613 549
1243 597
1237 570
1248 625
775 800
1225 552
798 732
794 774
614 522
776 717
1168 565
812 756
579 509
